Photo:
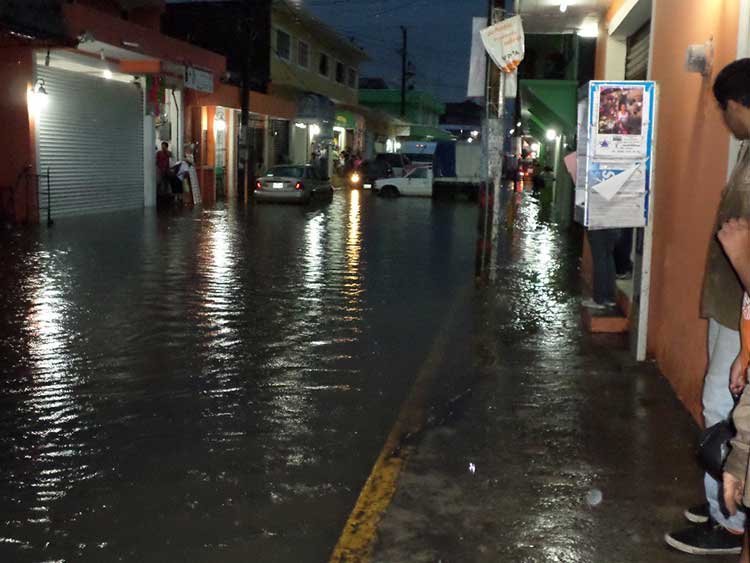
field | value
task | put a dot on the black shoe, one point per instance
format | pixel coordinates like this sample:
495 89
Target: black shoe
697 514
710 538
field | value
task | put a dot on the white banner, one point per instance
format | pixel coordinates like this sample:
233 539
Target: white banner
477 66
504 42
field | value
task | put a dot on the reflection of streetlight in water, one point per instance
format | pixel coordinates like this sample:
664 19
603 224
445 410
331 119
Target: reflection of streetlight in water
353 244
52 405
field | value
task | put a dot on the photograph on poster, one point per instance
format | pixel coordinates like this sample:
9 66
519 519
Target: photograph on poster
621 111
620 120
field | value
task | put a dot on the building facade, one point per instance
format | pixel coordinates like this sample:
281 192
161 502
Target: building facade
90 93
315 68
228 148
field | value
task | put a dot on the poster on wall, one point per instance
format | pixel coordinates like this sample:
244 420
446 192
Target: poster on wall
615 145
620 113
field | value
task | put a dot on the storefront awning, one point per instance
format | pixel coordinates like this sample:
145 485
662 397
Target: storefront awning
549 104
316 106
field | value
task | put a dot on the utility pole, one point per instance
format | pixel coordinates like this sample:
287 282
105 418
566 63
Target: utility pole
403 70
494 140
246 29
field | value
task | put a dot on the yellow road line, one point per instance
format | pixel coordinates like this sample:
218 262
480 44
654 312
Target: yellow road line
357 540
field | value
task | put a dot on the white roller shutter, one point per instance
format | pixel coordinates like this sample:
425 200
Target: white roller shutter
90 137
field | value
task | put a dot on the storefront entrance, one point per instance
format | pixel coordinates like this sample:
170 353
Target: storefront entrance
90 138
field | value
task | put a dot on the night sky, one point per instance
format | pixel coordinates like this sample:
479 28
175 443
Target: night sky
439 38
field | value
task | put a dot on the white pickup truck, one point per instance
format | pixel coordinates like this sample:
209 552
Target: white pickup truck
417 182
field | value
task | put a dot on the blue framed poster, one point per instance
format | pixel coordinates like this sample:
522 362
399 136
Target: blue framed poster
615 149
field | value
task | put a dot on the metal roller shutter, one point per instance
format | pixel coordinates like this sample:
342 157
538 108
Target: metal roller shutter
636 58
91 139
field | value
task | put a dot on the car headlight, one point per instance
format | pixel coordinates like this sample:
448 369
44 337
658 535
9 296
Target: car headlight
355 178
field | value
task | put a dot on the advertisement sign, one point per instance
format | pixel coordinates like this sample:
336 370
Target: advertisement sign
615 146
504 43
201 80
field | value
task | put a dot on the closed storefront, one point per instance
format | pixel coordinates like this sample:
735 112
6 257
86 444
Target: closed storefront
90 138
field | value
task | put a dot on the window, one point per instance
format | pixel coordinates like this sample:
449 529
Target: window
323 64
303 54
419 173
287 171
340 72
283 45
351 78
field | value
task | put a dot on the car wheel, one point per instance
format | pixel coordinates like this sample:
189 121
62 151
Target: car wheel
389 191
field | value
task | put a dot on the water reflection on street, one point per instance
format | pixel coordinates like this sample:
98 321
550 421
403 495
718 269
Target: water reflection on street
212 384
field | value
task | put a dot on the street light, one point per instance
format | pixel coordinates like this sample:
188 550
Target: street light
551 134
589 29
106 73
37 97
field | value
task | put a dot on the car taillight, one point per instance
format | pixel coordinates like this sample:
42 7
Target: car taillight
298 186
258 185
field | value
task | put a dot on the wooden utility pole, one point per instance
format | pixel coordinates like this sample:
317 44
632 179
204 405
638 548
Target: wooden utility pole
403 70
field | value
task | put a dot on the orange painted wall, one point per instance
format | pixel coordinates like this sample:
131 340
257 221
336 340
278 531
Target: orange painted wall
113 30
691 162
16 75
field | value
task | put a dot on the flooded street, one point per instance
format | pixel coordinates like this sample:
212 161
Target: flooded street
212 384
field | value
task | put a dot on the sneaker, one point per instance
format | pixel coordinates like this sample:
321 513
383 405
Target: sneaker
589 303
710 538
697 514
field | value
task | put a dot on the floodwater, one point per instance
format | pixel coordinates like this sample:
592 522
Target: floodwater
212 385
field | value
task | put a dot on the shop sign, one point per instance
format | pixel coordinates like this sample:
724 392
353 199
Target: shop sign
504 43
615 149
345 119
197 79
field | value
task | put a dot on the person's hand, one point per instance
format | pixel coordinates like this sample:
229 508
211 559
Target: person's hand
737 376
734 236
732 492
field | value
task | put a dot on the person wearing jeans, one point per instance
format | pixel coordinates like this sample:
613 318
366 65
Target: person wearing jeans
721 303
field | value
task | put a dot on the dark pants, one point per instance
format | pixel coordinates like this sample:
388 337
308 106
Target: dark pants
623 249
602 243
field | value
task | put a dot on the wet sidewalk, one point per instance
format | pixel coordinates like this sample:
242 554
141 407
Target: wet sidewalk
559 447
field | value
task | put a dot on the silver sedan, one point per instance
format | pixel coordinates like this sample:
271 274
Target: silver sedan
297 183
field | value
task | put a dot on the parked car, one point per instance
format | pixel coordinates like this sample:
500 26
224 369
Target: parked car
293 183
417 182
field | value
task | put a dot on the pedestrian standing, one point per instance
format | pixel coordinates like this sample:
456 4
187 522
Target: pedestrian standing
734 237
602 243
163 161
720 304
